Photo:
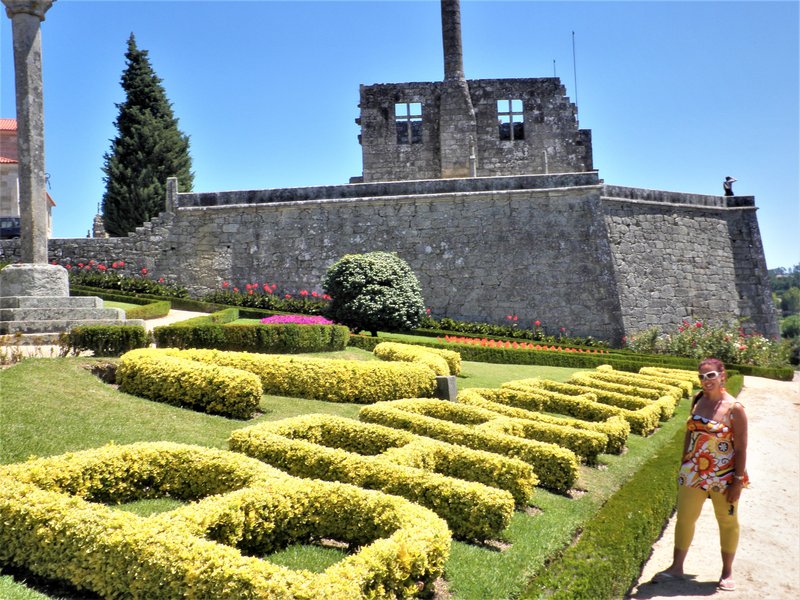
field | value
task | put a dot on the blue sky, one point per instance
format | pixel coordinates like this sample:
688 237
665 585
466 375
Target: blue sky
677 94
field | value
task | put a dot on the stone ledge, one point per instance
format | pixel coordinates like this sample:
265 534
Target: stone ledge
50 301
57 325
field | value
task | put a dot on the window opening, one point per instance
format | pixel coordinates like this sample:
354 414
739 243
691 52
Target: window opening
511 120
408 122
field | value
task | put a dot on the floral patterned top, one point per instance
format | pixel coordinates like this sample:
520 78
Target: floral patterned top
709 463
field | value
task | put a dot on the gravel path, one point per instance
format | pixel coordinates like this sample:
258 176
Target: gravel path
767 564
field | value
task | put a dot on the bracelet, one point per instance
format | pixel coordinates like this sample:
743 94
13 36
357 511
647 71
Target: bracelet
739 477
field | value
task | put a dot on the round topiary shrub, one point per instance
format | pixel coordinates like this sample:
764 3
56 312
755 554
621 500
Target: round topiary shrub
374 291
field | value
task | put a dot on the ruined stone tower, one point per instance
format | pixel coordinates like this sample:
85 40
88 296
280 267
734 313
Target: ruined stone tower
467 128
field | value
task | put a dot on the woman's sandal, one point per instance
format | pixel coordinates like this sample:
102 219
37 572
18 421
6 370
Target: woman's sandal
727 584
663 576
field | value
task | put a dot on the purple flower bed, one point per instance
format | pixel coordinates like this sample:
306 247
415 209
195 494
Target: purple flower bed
296 319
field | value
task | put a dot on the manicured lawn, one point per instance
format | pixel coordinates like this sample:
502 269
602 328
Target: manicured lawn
51 406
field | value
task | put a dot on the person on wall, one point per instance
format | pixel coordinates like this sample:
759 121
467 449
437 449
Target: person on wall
727 185
713 466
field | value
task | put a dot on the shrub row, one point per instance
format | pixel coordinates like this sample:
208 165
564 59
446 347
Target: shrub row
472 510
404 448
408 353
215 389
616 429
608 557
584 443
53 527
529 394
677 385
332 380
442 362
147 309
104 340
556 467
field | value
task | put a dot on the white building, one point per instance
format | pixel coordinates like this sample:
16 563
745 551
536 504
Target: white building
9 182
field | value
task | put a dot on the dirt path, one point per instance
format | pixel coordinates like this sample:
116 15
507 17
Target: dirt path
767 562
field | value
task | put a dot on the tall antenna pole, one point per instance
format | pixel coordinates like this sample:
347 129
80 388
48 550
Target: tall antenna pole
575 73
554 67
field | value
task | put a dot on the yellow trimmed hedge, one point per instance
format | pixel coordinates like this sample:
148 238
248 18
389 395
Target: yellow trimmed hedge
642 384
583 406
332 380
54 527
414 354
688 380
555 466
214 389
504 402
473 510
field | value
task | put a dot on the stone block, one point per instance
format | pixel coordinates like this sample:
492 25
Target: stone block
34 280
446 387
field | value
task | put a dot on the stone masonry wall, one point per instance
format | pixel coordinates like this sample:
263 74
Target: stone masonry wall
565 250
550 122
697 260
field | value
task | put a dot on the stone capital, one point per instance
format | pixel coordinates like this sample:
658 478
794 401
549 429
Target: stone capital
37 8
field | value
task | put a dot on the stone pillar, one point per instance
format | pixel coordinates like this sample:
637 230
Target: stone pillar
457 125
26 17
451 40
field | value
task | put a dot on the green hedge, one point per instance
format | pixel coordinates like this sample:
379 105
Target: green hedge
556 467
331 380
473 511
56 524
217 390
616 429
287 338
104 340
608 557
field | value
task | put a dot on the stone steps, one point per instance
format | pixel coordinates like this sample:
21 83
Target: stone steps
60 313
49 301
50 326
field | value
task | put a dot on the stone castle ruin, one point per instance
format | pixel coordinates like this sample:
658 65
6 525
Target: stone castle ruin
487 188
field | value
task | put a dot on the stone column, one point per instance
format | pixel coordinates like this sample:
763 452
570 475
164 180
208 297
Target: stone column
457 124
26 17
33 276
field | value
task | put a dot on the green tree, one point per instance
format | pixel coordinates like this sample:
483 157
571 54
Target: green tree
372 292
147 150
790 301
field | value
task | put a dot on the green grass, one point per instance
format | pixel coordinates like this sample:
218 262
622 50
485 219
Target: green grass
51 406
122 305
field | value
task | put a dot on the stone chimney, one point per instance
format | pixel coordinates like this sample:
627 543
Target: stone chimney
457 127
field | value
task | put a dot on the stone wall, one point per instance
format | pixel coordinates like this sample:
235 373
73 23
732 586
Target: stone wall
687 256
552 143
565 250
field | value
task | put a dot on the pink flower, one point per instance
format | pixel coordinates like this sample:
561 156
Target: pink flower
54 263
537 322
101 267
80 265
250 292
509 317
304 292
160 280
287 296
698 324
326 297
236 289
143 271
67 266
562 329
296 319
516 318
122 263
314 294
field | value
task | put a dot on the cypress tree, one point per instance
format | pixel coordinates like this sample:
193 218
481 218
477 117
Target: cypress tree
149 148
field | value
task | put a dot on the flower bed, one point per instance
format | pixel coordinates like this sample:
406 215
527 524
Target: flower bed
492 343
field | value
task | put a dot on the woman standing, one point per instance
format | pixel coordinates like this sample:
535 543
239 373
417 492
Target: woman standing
713 466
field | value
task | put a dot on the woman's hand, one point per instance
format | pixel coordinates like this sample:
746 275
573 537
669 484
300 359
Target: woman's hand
734 491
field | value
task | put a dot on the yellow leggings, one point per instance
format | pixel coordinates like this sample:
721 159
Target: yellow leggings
690 504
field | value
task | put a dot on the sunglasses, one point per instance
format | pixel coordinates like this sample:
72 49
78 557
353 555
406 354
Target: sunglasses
709 375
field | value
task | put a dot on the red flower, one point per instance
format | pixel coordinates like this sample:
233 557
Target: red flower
287 296
67 266
698 324
315 294
250 292
428 311
537 322
54 263
160 280
326 297
143 271
80 265
101 267
88 267
236 290
562 329
122 263
304 292
225 284
509 317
